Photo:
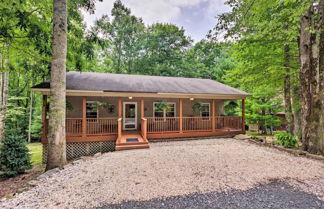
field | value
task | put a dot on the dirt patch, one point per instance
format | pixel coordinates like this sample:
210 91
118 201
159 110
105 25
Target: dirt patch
10 186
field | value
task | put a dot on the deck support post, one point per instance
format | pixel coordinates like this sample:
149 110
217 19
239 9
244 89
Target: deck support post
180 115
243 115
119 124
213 115
142 108
44 122
120 108
84 116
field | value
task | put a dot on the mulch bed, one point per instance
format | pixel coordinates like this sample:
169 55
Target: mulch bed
10 186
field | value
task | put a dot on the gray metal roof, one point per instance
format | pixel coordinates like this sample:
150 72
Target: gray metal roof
108 82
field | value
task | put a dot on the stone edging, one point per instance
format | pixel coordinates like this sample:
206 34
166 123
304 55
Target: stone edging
298 153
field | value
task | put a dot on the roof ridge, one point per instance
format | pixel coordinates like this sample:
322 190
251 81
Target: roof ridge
146 75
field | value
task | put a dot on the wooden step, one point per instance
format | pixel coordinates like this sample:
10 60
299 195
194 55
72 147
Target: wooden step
131 146
131 143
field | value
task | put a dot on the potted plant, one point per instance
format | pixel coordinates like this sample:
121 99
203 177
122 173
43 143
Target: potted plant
197 107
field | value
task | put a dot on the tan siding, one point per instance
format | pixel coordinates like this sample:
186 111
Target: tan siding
148 104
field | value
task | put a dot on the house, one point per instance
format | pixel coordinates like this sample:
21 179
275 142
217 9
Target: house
107 112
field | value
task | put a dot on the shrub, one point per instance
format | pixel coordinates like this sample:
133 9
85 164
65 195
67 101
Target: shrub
286 139
14 156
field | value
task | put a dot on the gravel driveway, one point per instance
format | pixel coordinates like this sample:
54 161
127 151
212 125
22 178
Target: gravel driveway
186 169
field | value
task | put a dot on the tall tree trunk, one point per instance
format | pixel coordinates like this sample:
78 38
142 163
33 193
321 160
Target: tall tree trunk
4 82
296 110
287 91
320 97
311 78
56 133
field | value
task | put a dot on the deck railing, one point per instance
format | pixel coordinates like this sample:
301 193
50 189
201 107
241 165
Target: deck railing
160 125
197 123
102 126
109 126
228 122
95 126
193 124
73 126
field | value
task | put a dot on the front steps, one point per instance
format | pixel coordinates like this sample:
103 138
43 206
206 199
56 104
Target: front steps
123 144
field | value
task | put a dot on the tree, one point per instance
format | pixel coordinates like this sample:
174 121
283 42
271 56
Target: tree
164 47
207 59
265 34
56 133
122 35
312 77
261 110
14 156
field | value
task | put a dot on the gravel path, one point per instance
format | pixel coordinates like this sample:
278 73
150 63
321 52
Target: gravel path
169 169
276 195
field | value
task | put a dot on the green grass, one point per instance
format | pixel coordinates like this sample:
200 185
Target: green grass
35 150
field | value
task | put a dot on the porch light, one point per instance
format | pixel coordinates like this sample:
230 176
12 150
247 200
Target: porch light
130 97
191 99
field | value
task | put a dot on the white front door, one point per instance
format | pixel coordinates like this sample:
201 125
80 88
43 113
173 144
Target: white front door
130 116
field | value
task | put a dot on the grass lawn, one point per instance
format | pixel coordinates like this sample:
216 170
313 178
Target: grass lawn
35 149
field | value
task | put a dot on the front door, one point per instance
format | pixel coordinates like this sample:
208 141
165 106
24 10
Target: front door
130 116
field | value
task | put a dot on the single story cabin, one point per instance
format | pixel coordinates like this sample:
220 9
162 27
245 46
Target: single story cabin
107 112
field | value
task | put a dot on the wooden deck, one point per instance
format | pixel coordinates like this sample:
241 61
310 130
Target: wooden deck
123 144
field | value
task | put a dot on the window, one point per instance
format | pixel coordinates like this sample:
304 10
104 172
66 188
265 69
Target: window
92 110
164 113
205 110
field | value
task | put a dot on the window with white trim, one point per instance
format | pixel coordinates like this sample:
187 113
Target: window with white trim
92 109
170 112
205 110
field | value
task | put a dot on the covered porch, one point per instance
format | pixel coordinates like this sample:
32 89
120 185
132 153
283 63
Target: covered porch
136 118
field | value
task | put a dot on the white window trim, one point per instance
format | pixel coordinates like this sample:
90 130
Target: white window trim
164 112
91 102
208 109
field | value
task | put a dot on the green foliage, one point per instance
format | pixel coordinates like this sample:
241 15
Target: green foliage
197 107
68 106
16 116
286 139
261 109
103 104
14 156
231 108
36 151
162 106
207 59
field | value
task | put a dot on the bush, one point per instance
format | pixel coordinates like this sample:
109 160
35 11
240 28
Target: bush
286 139
14 156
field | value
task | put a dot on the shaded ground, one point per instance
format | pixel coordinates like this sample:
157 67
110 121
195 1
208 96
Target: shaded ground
9 186
167 170
276 195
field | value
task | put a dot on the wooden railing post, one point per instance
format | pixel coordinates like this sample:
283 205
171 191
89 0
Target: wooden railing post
243 115
213 115
180 115
44 122
144 128
84 116
119 127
